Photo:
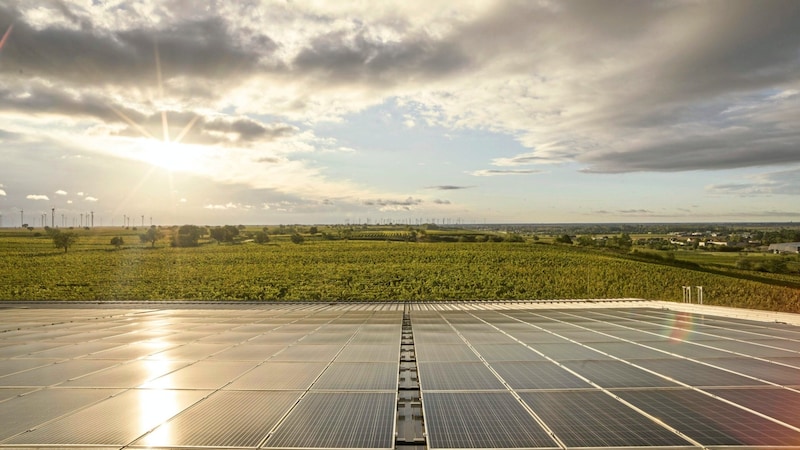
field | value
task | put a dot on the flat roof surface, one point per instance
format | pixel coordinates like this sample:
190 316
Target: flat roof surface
317 375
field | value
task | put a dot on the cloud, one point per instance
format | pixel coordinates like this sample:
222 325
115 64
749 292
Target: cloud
783 182
2 193
394 205
226 206
61 192
90 199
37 197
448 187
500 172
441 202
635 211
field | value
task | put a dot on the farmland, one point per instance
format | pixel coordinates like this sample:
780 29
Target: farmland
354 270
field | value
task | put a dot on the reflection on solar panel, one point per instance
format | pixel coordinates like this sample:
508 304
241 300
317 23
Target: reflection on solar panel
348 375
226 419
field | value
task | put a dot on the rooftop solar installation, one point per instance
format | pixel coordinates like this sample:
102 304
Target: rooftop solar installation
460 375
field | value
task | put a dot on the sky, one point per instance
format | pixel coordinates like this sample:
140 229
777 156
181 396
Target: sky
315 112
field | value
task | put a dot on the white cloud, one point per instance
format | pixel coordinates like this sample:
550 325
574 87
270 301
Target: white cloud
183 200
501 172
37 197
90 199
61 192
69 202
229 205
2 192
79 194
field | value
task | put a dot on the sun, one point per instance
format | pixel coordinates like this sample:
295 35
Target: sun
173 156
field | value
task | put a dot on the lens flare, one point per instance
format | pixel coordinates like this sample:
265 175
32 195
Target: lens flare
681 326
5 36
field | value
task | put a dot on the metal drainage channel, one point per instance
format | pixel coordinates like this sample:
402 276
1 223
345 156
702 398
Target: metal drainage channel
410 434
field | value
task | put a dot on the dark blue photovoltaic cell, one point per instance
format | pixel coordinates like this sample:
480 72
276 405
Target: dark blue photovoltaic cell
537 375
480 420
617 374
456 376
338 420
695 374
764 370
708 420
594 419
777 403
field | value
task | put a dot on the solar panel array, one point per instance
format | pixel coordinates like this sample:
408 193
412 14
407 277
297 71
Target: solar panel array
326 376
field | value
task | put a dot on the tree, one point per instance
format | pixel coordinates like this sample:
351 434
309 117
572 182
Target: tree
187 236
297 238
224 234
261 237
514 237
117 242
564 239
64 240
152 235
313 230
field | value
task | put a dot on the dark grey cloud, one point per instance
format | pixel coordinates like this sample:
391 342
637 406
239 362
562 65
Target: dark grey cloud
42 98
269 160
448 187
201 48
441 202
721 150
351 59
198 129
247 129
410 201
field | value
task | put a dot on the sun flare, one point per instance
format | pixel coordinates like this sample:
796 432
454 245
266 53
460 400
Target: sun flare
173 156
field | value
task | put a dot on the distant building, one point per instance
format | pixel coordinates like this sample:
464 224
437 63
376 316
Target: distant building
786 247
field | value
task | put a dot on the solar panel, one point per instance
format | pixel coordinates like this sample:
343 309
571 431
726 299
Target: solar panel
248 352
456 376
369 353
202 375
445 352
23 413
507 352
280 375
778 403
753 349
116 421
695 374
764 370
563 352
338 420
617 374
593 419
359 376
537 375
225 419
708 420
689 350
480 420
55 373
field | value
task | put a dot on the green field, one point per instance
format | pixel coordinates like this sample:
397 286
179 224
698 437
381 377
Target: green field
333 270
